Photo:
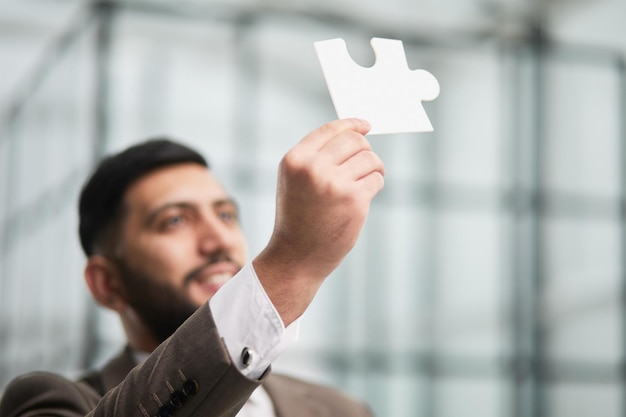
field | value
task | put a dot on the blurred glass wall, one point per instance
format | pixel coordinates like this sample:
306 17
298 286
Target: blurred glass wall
489 278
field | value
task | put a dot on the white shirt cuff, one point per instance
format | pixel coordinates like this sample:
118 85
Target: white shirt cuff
249 324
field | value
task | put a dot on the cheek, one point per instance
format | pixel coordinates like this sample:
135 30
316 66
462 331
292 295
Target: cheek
242 249
161 259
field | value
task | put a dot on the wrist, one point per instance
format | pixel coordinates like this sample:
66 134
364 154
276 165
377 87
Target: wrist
289 285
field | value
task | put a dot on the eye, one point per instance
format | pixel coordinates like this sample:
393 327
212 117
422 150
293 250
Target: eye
172 222
228 215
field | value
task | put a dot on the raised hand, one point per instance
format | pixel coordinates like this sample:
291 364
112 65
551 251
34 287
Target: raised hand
325 186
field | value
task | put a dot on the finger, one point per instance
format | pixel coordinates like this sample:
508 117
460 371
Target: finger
371 184
345 145
319 137
363 164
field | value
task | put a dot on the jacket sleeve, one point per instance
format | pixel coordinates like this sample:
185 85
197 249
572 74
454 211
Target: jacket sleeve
46 394
190 374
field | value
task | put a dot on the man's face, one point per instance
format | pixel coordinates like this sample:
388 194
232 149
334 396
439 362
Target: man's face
180 242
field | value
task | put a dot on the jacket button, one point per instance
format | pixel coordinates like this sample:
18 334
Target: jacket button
190 387
176 399
246 356
164 411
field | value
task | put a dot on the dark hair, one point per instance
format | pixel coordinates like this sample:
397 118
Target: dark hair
100 200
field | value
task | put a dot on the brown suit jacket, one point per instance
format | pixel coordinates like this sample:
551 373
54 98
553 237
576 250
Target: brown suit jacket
190 374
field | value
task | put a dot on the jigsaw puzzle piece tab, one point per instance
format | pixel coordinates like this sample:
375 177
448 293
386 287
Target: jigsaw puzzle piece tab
388 94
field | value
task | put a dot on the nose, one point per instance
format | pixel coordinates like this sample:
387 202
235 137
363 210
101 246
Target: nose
214 235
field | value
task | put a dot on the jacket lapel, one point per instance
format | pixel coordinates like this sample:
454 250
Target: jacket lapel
116 370
291 399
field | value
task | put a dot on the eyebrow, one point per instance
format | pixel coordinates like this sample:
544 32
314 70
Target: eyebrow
185 206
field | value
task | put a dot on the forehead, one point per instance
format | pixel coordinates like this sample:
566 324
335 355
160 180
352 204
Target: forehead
182 182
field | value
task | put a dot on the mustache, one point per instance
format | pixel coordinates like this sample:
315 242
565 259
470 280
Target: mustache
216 258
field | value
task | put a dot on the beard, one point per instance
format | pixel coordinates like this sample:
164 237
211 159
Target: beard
160 306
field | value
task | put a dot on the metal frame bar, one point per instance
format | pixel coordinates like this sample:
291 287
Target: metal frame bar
104 14
621 66
526 322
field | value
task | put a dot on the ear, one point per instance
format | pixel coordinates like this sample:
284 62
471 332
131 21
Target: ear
104 283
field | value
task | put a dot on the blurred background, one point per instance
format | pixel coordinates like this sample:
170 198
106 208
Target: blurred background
489 279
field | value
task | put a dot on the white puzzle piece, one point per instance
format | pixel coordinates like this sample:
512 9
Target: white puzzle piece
388 95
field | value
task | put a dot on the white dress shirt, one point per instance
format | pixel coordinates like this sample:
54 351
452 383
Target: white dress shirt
250 325
253 332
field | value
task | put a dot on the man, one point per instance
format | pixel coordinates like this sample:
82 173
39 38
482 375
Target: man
162 236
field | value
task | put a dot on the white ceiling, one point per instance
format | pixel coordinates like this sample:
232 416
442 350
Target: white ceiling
27 27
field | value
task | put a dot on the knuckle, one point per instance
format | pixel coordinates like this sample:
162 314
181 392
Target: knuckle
379 181
329 128
338 126
358 139
338 188
305 170
328 189
293 162
375 162
368 158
